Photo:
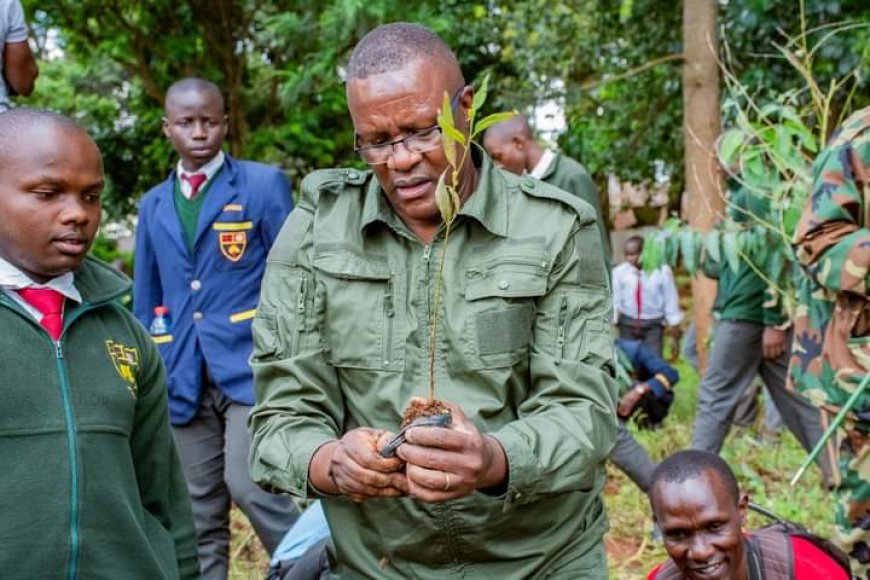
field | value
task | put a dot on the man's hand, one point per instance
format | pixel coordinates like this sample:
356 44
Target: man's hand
630 400
352 466
773 342
449 463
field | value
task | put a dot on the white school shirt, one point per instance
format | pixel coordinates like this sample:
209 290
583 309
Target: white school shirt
543 164
12 279
209 169
659 298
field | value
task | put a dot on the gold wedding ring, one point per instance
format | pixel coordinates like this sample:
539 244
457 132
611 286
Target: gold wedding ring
446 481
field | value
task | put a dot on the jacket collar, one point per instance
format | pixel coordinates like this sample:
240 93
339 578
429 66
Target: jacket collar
489 204
99 283
219 193
551 168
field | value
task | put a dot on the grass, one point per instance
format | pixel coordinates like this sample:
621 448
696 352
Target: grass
763 470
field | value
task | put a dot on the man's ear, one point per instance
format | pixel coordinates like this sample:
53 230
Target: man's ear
165 127
742 507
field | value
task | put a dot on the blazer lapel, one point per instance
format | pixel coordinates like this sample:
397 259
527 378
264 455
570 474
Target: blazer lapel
219 193
166 215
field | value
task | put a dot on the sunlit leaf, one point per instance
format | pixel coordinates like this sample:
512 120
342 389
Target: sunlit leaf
688 248
731 251
490 120
711 243
481 93
449 131
729 147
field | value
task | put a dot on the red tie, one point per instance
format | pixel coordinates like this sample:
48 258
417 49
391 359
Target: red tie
50 303
638 294
196 180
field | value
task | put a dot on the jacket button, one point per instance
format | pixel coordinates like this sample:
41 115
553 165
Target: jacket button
197 316
503 284
195 285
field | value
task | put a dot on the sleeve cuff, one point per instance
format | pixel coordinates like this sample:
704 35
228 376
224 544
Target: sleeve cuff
657 388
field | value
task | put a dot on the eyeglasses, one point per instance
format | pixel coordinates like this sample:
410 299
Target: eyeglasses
421 141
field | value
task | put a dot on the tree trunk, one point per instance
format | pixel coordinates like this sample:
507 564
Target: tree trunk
701 127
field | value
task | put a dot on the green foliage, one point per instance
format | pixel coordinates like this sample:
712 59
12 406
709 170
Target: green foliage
613 65
767 154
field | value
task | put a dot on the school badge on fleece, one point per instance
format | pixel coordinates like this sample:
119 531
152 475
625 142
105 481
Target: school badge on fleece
233 245
126 361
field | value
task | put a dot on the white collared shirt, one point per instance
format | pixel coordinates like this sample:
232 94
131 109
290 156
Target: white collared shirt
659 298
12 279
543 164
209 169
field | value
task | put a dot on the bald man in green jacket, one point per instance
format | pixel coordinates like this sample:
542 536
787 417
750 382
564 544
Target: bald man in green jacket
513 147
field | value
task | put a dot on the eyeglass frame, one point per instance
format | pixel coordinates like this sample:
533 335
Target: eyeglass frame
419 133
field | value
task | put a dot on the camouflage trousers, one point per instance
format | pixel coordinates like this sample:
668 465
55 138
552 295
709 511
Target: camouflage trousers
853 501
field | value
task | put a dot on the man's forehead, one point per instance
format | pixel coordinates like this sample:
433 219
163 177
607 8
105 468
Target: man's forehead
192 98
703 489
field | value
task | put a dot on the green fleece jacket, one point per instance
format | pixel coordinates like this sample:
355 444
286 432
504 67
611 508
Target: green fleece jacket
90 482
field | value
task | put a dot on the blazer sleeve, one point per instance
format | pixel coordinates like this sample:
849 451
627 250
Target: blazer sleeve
147 289
277 206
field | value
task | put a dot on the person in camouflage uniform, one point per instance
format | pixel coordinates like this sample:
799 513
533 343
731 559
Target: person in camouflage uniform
831 351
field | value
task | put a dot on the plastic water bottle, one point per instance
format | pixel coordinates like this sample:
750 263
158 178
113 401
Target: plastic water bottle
161 324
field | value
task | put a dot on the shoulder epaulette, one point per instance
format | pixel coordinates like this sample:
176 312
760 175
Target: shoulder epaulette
331 180
537 188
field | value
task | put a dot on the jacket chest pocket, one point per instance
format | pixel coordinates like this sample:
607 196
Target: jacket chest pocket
360 317
500 297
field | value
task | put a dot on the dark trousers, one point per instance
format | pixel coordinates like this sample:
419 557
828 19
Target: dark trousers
734 361
214 452
650 332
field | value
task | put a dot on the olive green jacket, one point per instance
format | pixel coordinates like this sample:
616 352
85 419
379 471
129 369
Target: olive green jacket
524 347
569 175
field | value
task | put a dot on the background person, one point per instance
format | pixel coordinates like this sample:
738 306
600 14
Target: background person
19 66
201 245
644 303
513 147
646 382
700 510
91 485
751 338
831 350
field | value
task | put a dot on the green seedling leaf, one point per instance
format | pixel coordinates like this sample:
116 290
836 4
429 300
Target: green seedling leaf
490 120
730 247
449 131
443 199
481 93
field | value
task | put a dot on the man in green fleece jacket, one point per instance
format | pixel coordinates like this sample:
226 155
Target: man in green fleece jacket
90 483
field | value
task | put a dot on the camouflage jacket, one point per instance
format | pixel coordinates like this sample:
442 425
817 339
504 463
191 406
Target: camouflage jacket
831 352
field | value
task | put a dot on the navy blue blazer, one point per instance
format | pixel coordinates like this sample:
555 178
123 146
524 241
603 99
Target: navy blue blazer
211 293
